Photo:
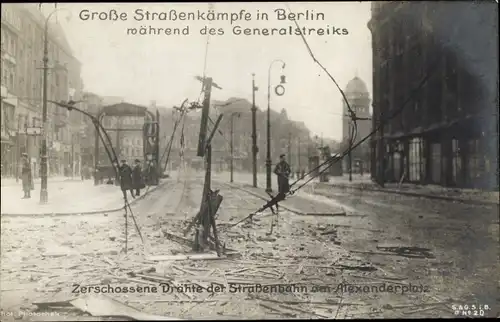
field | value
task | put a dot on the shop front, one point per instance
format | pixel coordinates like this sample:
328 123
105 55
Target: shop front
8 134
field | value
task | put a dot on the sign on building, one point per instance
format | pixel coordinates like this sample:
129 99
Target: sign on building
34 131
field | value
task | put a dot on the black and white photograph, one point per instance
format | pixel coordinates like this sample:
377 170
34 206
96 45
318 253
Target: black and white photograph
249 160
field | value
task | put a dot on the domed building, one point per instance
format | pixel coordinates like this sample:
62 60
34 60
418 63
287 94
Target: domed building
359 101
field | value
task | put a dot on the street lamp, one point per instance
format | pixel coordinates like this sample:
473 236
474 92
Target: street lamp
231 142
43 162
279 90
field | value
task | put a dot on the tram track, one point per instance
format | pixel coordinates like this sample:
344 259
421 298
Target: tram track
284 219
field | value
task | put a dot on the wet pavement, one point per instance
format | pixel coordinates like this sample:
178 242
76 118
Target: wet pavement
449 260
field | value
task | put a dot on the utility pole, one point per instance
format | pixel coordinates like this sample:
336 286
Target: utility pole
44 196
255 149
381 152
231 143
269 162
298 156
118 144
290 148
72 155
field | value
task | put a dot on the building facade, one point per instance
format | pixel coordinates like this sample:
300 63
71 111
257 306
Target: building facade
435 76
125 130
22 87
359 100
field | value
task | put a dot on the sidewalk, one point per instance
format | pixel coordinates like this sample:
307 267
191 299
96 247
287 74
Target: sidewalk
472 196
66 197
7 182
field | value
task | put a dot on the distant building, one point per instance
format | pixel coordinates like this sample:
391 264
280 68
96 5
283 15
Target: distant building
111 100
359 101
447 134
125 127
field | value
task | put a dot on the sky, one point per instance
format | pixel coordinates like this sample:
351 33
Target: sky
161 68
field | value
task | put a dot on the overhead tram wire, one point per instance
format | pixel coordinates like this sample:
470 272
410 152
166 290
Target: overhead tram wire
168 147
352 114
205 60
113 158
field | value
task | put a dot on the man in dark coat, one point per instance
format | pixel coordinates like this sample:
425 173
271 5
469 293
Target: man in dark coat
137 178
26 176
282 170
126 178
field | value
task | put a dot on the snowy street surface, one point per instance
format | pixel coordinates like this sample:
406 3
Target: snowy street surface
364 183
387 256
64 197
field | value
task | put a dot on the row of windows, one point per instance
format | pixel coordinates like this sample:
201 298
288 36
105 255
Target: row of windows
26 79
133 152
8 42
403 76
10 16
476 164
8 75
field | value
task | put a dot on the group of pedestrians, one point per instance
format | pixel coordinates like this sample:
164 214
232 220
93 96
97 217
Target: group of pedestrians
131 179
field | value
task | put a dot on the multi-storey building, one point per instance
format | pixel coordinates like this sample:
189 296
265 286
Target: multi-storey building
22 75
359 101
10 127
435 76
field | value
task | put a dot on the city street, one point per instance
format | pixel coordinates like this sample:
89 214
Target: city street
42 257
186 140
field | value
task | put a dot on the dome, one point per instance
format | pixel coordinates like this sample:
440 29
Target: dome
356 85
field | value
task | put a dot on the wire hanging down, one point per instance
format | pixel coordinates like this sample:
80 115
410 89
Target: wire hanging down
113 158
332 160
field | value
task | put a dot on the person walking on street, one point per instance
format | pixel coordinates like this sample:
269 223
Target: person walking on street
126 179
137 178
282 170
26 177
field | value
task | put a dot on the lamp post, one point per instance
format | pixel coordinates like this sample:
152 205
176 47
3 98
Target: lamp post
43 158
268 157
255 150
231 142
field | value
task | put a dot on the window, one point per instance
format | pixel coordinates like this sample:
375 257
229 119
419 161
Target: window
457 162
5 75
436 162
434 92
57 80
12 47
451 82
474 161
